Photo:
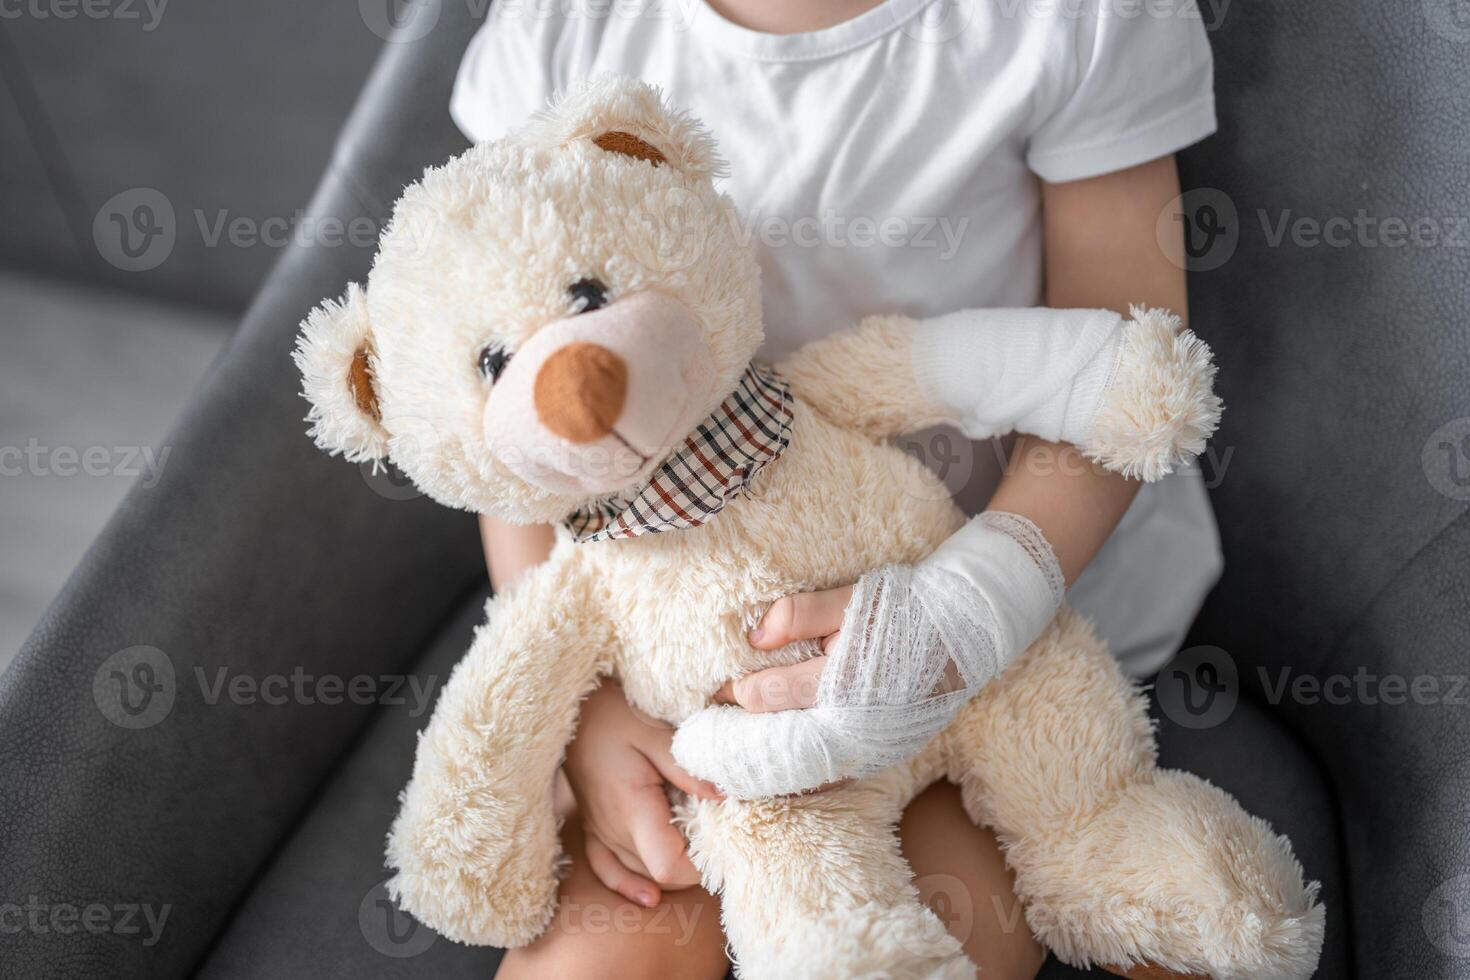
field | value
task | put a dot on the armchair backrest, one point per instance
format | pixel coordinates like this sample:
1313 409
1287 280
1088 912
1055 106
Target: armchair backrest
1330 220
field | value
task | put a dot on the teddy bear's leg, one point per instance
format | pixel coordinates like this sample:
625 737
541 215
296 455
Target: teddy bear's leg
814 886
1117 862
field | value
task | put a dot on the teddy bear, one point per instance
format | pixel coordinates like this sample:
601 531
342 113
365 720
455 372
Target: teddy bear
539 340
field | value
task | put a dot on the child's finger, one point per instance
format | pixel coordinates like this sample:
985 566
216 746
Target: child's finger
780 688
663 760
616 876
803 616
658 843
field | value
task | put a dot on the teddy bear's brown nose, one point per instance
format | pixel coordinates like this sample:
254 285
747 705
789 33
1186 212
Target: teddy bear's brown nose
580 390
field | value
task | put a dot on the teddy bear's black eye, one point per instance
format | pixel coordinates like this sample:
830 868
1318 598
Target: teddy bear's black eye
493 359
587 295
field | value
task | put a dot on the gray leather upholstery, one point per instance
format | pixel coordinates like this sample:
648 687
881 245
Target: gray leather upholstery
1338 365
261 826
254 552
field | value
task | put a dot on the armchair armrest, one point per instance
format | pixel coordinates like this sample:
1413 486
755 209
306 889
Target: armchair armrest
158 742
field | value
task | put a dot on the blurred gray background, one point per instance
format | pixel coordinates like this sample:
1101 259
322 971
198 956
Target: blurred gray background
114 113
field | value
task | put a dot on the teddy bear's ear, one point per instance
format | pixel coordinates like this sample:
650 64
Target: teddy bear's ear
335 356
627 117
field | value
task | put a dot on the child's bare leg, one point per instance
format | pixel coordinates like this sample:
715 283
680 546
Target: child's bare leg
958 869
962 876
598 933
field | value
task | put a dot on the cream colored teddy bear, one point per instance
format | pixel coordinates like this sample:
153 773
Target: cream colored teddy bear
559 327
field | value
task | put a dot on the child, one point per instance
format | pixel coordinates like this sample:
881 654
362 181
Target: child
903 156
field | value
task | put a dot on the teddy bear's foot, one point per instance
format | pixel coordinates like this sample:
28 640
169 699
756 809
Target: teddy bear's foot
1173 874
814 887
905 942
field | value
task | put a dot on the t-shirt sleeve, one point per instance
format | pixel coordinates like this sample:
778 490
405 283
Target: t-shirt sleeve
507 74
1139 85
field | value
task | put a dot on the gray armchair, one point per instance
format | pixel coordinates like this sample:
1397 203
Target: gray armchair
249 833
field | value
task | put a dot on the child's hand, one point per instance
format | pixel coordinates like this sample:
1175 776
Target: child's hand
617 765
803 616
905 648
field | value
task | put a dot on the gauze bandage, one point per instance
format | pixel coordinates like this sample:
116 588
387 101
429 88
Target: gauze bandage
916 643
1134 395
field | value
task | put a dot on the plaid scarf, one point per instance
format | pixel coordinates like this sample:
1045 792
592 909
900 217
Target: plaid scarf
716 464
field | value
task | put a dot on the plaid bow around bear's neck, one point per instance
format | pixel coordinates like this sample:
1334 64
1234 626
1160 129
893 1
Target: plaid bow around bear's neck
717 463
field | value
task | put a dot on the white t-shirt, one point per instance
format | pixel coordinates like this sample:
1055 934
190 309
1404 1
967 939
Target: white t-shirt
889 164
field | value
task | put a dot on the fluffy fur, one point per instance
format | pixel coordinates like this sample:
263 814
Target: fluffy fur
1159 409
879 404
1162 406
1117 862
330 338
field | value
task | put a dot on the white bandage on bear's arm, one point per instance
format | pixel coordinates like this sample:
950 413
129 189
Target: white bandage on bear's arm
916 643
1136 395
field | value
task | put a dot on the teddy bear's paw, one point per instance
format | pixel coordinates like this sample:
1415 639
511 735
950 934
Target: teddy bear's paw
904 942
1161 406
474 862
473 909
1173 873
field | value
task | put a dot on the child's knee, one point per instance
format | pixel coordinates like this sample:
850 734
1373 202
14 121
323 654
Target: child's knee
598 939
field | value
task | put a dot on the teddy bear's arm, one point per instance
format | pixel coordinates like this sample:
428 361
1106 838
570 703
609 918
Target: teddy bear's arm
862 379
1136 395
475 842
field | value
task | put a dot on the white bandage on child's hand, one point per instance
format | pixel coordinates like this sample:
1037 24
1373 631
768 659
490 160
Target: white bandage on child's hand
916 643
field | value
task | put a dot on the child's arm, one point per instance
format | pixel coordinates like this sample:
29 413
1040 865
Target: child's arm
1101 251
511 549
1132 393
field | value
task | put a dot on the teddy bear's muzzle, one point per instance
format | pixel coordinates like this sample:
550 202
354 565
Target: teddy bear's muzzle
593 403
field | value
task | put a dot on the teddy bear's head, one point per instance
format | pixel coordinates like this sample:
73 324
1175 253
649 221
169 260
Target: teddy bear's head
549 315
